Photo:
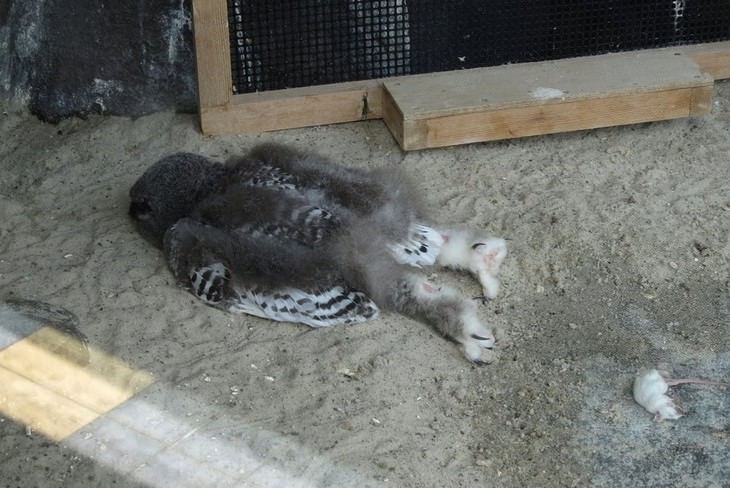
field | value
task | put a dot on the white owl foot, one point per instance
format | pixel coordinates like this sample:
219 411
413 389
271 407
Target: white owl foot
486 259
481 256
477 339
453 316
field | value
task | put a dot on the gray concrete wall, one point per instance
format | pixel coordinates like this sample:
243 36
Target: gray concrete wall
76 57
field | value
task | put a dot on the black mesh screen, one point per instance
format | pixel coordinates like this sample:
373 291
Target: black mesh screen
291 43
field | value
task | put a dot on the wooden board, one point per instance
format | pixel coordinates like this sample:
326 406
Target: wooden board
296 107
541 98
44 388
212 55
39 408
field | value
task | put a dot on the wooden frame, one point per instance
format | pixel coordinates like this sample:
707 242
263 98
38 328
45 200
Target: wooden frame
222 111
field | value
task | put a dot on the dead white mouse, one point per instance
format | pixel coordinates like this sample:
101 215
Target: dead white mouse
650 387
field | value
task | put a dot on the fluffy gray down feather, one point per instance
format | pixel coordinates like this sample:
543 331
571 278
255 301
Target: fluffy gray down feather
290 236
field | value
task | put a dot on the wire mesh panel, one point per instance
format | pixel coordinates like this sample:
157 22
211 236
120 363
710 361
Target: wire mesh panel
291 43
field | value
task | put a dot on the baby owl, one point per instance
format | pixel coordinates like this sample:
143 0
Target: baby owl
290 236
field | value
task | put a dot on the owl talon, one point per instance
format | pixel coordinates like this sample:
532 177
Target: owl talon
477 338
482 299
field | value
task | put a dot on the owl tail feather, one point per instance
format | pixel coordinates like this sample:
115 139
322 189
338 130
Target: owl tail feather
322 307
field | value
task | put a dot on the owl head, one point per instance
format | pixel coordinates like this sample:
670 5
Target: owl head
170 190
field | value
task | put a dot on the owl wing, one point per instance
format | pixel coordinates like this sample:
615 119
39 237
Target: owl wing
281 213
308 225
420 248
317 307
261 276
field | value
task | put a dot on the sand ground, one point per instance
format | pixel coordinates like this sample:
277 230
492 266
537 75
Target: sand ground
619 259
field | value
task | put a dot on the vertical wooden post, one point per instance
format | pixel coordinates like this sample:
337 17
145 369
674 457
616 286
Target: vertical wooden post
212 56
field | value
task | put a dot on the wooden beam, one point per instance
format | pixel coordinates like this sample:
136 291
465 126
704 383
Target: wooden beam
501 102
212 54
296 107
700 101
39 408
546 119
393 116
44 386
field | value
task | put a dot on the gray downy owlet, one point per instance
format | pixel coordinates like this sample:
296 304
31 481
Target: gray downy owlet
291 236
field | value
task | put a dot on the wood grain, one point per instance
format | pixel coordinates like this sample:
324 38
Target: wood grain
713 58
299 107
44 410
546 119
543 98
56 395
212 53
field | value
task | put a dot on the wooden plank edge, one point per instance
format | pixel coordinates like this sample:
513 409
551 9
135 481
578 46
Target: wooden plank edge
703 81
554 118
41 409
393 116
293 108
701 100
101 386
212 53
